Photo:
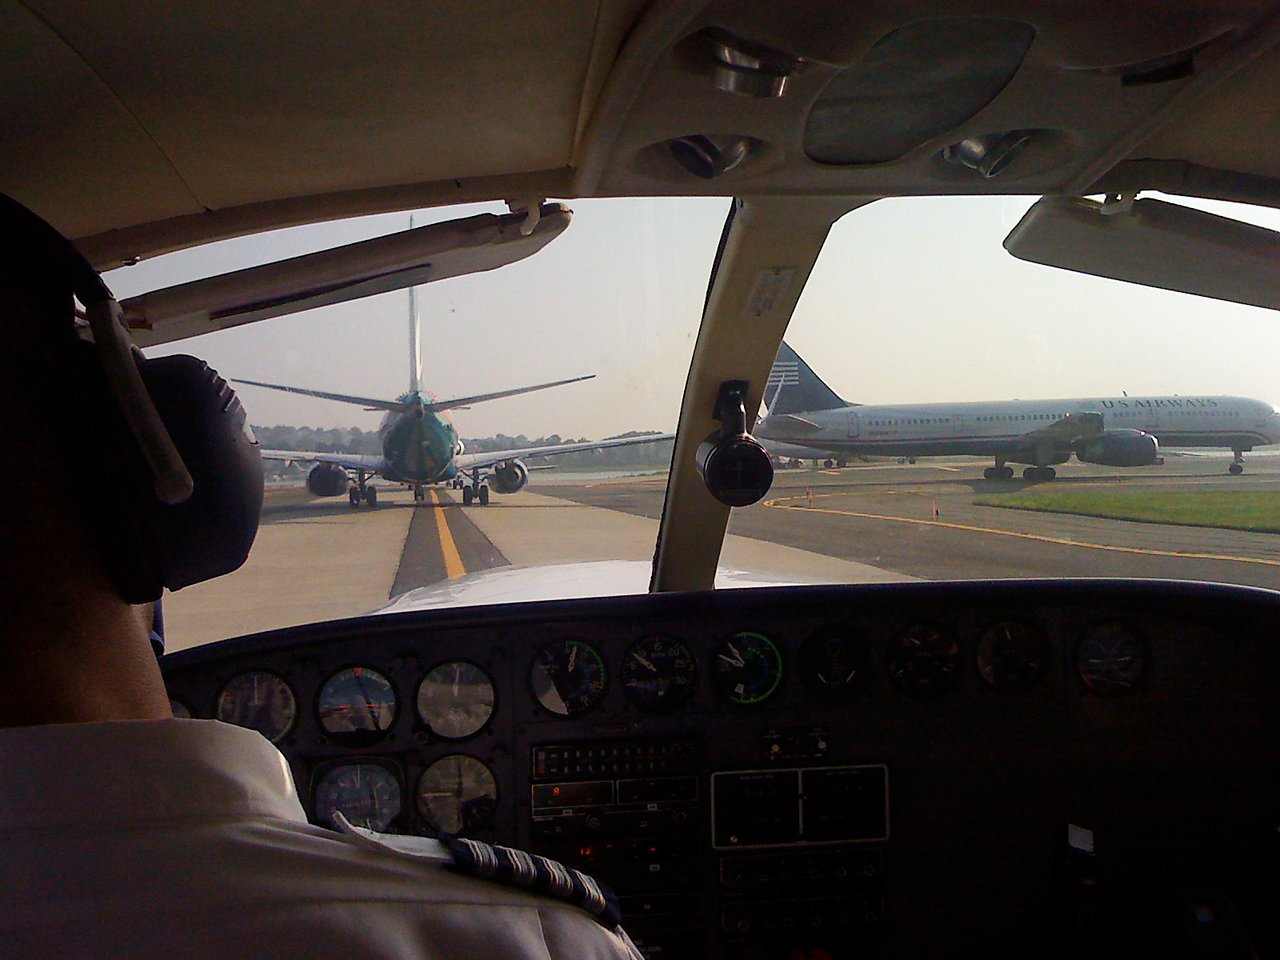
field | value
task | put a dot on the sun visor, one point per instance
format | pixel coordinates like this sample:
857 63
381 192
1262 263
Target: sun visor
409 258
1153 243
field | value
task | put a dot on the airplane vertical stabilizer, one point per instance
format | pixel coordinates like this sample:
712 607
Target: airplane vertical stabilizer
415 337
415 352
794 388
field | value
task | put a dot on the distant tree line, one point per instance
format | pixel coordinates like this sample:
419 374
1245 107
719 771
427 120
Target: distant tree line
355 440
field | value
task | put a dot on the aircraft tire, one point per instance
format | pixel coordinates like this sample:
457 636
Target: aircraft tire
466 496
1236 469
1047 473
354 496
1006 473
484 494
1031 473
371 496
828 464
989 473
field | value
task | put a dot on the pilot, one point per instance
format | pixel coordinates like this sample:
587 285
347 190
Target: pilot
127 832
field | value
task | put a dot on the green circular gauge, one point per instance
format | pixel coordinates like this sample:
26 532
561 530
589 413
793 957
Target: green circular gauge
746 668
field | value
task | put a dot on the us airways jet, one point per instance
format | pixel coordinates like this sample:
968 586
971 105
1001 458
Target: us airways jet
1111 431
420 444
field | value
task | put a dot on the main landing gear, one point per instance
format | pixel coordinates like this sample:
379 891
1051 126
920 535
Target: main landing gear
419 494
1237 465
998 472
362 492
475 491
1039 473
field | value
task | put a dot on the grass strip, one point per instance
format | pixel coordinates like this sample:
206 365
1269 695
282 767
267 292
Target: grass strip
1254 510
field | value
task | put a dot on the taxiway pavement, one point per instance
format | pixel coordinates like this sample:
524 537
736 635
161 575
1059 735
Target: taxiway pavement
322 559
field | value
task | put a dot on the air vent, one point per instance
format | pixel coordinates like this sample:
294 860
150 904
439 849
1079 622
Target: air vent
915 84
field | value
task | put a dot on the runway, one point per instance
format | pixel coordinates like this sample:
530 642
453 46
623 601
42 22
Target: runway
321 559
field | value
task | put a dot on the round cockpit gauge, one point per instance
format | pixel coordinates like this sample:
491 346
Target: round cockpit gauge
456 699
367 794
260 701
568 677
1112 658
457 794
1012 656
924 660
658 673
180 709
357 700
746 668
834 664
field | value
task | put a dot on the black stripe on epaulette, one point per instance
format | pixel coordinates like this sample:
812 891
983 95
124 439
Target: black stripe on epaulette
536 874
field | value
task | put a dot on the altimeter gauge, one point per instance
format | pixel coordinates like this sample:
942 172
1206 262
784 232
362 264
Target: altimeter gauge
456 699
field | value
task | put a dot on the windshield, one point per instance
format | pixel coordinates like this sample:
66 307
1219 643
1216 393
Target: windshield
946 412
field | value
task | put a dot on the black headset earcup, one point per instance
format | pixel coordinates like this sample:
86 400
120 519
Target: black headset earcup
149 546
211 533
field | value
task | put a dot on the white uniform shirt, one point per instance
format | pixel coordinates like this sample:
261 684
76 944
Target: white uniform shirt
185 838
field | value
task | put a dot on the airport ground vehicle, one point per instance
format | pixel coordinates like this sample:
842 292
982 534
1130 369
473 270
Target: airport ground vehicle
900 770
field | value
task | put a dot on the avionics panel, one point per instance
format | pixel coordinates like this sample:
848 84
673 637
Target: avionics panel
813 770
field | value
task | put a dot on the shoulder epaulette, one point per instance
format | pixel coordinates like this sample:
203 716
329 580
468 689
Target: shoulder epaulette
515 868
536 874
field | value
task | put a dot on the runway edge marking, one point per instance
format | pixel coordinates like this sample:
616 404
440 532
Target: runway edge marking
780 503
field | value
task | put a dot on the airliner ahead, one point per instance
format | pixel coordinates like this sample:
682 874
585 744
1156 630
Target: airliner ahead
420 445
1110 431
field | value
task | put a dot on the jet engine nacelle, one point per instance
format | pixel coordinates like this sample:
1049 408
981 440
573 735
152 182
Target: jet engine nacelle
327 480
459 448
1120 448
509 477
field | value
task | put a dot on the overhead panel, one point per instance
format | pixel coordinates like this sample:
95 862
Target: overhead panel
915 84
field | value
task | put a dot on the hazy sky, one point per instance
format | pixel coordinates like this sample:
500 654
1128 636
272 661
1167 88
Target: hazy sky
912 300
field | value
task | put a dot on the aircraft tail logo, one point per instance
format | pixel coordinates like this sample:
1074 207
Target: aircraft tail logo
793 387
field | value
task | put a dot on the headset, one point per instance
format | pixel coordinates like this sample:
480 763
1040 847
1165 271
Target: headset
184 482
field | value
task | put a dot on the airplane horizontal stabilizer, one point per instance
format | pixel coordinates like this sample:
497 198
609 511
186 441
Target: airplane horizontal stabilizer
478 461
438 405
367 402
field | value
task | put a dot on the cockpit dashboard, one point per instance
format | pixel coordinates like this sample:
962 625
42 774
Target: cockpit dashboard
1058 768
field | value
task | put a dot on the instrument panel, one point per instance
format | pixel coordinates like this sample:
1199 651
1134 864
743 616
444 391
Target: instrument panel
866 770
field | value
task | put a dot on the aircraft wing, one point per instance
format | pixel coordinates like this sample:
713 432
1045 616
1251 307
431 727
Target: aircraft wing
437 405
1072 427
368 402
475 461
351 461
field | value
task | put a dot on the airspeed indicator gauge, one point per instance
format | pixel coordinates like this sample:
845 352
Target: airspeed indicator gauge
834 664
260 701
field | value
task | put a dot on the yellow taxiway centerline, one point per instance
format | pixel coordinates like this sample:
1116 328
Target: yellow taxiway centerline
453 567
781 503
